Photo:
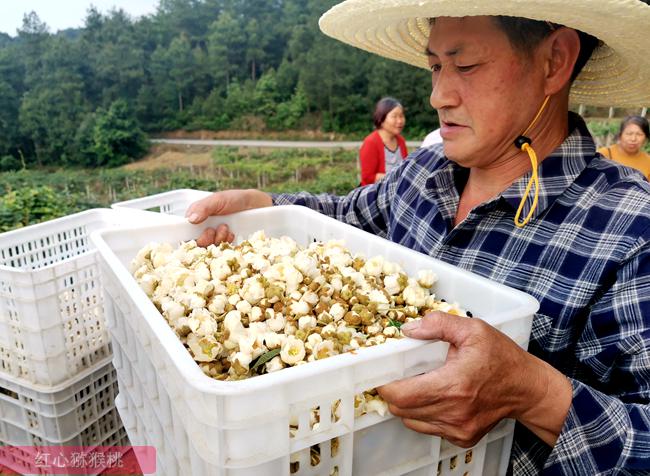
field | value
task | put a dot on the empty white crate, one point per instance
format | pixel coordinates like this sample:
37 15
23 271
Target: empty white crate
107 430
174 202
30 413
51 306
242 428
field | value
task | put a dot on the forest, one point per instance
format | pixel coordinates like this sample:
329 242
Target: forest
88 97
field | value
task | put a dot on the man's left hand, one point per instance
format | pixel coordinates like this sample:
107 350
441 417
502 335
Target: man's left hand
485 378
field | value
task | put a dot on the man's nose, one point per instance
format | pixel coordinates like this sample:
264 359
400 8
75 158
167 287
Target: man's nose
443 90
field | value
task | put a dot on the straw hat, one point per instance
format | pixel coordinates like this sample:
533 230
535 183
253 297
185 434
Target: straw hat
618 73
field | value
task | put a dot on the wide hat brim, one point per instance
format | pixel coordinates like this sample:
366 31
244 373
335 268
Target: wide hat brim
618 73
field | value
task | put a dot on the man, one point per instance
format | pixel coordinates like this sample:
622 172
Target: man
573 231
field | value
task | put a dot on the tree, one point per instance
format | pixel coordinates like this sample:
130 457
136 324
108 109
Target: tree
226 48
117 137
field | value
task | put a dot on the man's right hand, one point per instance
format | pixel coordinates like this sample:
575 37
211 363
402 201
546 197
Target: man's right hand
224 203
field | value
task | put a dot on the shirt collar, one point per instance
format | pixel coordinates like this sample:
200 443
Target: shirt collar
556 173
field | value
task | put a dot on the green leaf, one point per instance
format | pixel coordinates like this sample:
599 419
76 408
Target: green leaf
394 323
264 358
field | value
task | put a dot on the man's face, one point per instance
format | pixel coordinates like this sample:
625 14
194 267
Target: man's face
486 94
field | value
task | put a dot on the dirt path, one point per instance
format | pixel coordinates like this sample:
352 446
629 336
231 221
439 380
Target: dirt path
166 157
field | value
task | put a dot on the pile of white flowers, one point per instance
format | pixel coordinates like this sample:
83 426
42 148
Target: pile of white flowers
267 303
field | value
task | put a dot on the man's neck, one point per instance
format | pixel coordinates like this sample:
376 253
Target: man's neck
487 182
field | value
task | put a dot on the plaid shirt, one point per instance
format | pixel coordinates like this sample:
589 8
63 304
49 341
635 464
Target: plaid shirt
585 256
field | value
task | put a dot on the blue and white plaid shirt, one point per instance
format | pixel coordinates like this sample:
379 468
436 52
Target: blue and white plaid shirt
585 256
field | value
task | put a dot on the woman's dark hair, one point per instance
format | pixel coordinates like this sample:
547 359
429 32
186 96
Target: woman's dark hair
383 107
640 121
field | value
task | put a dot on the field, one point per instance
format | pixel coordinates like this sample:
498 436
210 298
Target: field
32 196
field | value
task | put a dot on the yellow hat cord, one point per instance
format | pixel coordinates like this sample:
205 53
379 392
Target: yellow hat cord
524 143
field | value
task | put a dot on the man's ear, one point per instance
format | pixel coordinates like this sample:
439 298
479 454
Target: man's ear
561 51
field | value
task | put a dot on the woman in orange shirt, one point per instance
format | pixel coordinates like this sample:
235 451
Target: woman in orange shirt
385 148
632 136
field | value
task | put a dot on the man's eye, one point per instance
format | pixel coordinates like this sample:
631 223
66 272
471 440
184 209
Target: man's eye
435 68
466 69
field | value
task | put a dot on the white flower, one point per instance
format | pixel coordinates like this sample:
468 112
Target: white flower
328 331
162 255
337 312
217 304
306 263
241 362
293 351
202 323
391 331
373 267
377 405
427 278
310 297
415 295
430 302
295 295
300 308
192 300
272 340
232 322
286 273
391 268
324 349
380 300
202 271
141 271
255 314
148 284
173 310
252 290
277 323
203 287
274 365
219 269
391 284
290 328
205 349
307 322
244 307
312 340
336 283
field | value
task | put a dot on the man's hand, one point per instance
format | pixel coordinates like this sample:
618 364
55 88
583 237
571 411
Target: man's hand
486 377
224 203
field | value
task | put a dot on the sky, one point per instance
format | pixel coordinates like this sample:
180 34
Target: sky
62 14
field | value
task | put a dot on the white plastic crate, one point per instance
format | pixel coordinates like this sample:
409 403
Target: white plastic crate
51 306
147 425
174 202
105 431
242 428
56 414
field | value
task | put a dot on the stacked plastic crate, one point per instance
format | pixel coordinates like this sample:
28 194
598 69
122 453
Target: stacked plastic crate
57 382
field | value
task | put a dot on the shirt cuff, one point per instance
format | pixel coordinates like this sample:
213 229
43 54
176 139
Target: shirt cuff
594 433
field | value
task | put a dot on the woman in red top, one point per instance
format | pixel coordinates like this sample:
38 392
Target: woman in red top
385 148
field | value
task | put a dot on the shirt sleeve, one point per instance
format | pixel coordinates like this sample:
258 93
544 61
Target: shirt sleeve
367 207
369 161
607 430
